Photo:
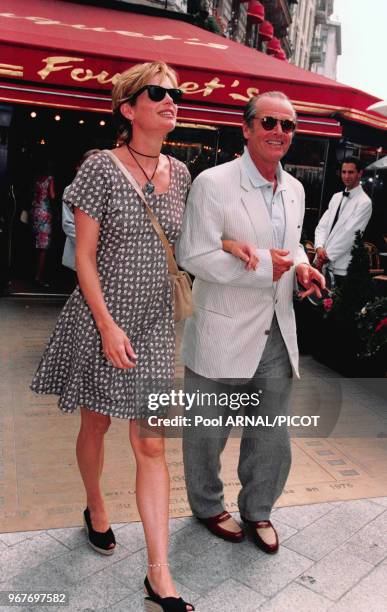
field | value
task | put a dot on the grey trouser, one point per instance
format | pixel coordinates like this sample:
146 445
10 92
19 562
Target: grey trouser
265 458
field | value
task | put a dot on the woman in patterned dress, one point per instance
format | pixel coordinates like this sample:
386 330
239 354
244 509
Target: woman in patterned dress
117 330
42 219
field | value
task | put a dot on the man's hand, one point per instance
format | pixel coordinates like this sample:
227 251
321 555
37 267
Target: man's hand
311 279
244 251
280 264
322 257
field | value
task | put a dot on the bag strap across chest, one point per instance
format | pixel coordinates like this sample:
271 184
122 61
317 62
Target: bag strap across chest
172 265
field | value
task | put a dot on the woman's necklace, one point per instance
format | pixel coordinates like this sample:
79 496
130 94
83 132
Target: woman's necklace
149 186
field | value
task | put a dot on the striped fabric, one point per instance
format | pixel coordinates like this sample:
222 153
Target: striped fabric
226 336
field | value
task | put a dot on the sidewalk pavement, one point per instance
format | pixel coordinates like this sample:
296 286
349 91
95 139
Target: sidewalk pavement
333 556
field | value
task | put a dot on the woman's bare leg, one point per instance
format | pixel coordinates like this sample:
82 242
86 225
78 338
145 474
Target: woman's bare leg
90 455
152 495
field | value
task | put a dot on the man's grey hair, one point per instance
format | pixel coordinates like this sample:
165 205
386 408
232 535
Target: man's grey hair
251 107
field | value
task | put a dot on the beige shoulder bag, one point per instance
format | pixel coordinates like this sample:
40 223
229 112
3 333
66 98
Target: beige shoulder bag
181 281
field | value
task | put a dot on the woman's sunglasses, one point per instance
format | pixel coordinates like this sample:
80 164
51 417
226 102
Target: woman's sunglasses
157 93
269 123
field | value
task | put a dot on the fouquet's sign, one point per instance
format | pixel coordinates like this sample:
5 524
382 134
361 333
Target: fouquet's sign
57 65
33 65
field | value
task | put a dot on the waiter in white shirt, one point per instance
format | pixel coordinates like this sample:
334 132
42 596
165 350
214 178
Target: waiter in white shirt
348 212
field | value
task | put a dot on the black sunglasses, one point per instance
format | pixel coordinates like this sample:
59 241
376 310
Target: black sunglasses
157 93
269 123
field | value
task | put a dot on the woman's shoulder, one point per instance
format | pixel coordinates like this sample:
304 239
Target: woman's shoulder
99 164
180 167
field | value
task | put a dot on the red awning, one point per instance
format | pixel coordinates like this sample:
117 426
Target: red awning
266 31
280 54
256 11
66 54
320 126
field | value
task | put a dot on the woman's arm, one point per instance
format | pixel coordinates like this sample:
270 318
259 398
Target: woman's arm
244 251
116 345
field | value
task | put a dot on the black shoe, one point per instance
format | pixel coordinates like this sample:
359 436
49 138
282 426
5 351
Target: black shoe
100 541
155 603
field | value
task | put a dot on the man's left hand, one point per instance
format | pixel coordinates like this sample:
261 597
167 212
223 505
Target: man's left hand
311 279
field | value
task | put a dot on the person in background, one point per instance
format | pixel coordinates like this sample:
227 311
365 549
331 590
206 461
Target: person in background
348 212
42 218
68 223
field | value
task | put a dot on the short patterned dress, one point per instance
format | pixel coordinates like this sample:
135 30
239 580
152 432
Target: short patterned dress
41 213
133 272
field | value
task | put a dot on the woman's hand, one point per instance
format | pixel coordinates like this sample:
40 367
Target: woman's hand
244 251
117 348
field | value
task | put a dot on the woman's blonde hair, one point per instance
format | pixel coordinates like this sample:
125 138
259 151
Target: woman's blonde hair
131 81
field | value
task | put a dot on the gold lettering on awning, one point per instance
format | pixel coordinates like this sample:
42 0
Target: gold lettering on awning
57 59
82 75
11 70
251 92
212 85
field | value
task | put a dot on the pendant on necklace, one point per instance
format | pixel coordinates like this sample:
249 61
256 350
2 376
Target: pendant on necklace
148 188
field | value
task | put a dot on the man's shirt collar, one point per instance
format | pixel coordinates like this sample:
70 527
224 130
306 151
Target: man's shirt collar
355 191
256 178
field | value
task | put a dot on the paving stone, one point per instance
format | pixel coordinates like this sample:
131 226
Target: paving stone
331 530
133 603
83 561
28 554
10 539
270 573
206 571
131 536
71 537
370 595
179 523
231 596
379 500
300 517
370 542
44 576
296 597
335 574
195 538
131 570
96 593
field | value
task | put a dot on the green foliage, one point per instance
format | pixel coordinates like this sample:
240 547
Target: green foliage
372 326
357 288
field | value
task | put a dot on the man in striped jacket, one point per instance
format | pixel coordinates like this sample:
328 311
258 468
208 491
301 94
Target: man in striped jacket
241 341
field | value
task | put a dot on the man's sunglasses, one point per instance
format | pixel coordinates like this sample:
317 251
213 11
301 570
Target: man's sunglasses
269 123
157 93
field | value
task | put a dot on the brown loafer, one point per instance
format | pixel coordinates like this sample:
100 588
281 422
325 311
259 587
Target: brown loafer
270 549
213 524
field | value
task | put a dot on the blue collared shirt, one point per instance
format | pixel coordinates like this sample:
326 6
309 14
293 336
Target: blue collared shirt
274 202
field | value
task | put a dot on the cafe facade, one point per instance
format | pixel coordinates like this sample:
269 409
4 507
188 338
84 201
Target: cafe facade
59 61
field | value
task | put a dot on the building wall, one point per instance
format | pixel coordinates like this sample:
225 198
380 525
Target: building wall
301 32
315 38
331 49
179 6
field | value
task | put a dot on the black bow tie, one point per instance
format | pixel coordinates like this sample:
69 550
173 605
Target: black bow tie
345 194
